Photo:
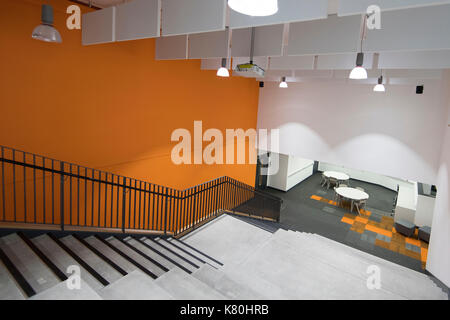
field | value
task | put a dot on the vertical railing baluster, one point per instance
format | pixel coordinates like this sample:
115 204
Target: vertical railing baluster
24 188
134 207
34 187
112 202
43 192
70 194
78 196
99 197
153 207
165 210
118 196
3 186
129 206
139 210
145 212
124 195
14 184
85 196
53 191
61 196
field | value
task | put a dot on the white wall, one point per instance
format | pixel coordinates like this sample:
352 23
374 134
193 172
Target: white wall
397 134
438 262
424 211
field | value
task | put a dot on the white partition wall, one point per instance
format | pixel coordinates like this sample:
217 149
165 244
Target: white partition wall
292 171
438 262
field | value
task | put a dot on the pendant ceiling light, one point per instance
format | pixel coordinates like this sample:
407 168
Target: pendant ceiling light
359 73
45 31
380 86
223 71
257 8
283 83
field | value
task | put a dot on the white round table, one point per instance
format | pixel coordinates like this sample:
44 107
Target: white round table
352 193
336 175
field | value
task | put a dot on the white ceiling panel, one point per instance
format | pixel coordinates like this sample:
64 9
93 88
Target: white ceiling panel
138 19
262 62
208 45
193 16
313 73
415 60
333 35
288 11
350 7
213 64
291 63
171 48
98 26
268 41
342 61
412 29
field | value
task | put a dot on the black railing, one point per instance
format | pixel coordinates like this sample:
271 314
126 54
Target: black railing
48 192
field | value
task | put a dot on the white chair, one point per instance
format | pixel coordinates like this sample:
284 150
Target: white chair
324 180
332 181
361 204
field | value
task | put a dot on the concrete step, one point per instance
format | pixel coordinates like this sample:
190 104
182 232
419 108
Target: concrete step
63 260
399 283
300 276
225 285
9 289
98 264
169 254
157 271
183 286
390 266
135 286
62 292
33 269
181 252
111 254
152 254
194 251
365 255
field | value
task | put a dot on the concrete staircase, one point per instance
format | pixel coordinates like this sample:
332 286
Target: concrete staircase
249 263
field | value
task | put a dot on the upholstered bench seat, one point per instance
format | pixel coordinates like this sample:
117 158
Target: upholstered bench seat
424 234
406 228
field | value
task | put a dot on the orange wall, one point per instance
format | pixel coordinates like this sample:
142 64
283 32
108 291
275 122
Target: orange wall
112 106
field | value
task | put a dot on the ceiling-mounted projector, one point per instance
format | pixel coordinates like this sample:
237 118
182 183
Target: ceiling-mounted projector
249 70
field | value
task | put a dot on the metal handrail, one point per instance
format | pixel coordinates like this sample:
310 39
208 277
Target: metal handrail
126 203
